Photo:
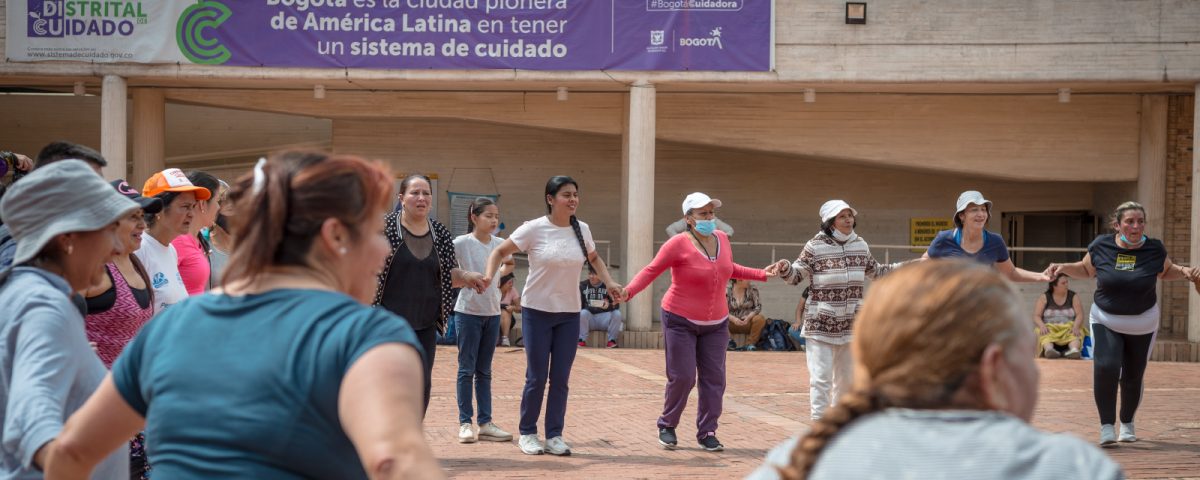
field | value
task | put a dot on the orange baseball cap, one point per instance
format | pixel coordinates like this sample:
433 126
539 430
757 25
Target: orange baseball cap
173 180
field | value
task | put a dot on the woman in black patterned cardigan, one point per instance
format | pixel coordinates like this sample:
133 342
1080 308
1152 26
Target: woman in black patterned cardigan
418 279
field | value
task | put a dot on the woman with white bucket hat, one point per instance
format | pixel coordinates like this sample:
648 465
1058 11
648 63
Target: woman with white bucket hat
837 261
970 239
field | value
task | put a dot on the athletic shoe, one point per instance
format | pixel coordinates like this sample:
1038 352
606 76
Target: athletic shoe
1051 353
666 438
1073 354
611 344
556 446
1108 436
531 445
583 343
1127 434
732 346
711 444
504 342
465 435
490 432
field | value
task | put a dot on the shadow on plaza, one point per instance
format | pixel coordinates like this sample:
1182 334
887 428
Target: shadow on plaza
583 458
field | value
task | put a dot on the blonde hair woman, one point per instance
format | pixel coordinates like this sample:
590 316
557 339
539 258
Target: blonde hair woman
952 404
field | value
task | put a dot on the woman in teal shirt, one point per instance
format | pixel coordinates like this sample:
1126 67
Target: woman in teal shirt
286 374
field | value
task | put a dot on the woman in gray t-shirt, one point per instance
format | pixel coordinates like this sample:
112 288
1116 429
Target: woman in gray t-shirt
951 408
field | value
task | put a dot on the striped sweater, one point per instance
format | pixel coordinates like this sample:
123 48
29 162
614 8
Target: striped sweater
838 273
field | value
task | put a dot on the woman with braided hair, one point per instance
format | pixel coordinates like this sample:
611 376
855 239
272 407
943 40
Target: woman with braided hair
949 405
558 245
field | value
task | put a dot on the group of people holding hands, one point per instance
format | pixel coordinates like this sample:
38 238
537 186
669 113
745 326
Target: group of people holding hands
288 339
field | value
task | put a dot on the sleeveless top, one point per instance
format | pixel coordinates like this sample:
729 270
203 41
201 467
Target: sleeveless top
114 327
1055 313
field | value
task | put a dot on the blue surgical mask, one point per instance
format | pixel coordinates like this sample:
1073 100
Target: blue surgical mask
706 227
1127 242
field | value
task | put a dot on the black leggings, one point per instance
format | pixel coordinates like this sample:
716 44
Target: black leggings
1120 359
428 338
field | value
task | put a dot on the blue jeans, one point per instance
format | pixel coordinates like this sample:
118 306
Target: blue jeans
477 338
551 339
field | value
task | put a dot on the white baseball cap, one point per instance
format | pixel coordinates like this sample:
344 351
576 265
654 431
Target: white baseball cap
697 200
832 208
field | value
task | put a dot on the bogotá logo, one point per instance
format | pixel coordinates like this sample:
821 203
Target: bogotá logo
194 23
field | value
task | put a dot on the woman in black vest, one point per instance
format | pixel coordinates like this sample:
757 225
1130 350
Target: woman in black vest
1125 316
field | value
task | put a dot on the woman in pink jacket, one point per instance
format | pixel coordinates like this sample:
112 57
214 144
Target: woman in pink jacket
695 316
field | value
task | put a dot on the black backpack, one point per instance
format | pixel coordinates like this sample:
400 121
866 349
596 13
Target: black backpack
775 337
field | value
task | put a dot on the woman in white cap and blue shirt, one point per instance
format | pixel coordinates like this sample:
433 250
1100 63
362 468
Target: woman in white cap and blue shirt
837 262
68 223
970 239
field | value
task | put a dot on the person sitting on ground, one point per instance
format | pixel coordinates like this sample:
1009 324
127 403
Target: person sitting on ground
1058 318
745 311
955 407
510 305
598 312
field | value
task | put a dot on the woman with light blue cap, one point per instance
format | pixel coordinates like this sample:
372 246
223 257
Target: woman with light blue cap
68 223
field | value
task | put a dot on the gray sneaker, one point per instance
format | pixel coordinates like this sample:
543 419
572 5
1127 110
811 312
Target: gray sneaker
1108 436
531 445
491 433
557 446
1127 434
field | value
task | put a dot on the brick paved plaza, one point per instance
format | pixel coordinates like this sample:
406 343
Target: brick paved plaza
616 396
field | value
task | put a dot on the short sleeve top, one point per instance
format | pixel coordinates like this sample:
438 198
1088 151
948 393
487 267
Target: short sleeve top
947 243
1126 279
555 262
247 387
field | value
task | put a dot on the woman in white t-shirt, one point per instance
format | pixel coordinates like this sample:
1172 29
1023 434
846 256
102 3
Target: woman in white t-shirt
179 199
477 319
558 245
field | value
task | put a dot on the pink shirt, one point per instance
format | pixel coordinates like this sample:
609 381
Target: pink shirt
193 264
697 284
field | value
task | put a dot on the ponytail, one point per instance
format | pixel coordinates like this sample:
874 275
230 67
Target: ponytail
476 209
849 408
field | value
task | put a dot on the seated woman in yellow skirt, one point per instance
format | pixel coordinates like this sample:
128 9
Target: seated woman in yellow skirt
1059 319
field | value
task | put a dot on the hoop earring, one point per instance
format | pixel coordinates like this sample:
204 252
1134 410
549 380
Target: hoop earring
70 248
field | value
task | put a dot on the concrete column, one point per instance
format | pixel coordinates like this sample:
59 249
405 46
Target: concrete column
1152 163
638 172
149 134
1193 330
114 127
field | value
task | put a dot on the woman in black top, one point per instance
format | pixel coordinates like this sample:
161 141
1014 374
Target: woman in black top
420 274
1125 316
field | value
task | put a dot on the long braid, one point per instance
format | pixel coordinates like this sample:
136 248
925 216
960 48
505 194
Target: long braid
579 236
849 408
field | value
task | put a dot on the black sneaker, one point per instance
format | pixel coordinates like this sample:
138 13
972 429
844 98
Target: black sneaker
666 438
711 444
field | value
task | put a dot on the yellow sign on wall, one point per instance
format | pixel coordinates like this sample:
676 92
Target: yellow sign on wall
923 229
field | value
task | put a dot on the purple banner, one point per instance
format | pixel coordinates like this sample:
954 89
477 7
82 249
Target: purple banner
723 35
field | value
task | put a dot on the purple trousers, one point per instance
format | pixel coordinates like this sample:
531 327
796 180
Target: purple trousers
689 349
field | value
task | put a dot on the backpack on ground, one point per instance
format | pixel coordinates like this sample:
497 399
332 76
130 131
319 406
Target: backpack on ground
775 337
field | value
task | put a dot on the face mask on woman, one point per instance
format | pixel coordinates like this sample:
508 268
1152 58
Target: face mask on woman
706 227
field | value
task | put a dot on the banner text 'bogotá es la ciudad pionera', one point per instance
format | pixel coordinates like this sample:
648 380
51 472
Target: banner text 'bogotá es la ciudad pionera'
721 35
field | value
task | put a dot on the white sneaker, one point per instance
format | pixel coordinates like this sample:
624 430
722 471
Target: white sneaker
1127 434
1108 436
530 445
557 446
504 342
465 434
490 432
1073 354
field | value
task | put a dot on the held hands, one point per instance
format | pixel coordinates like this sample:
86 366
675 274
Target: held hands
476 281
1052 271
775 269
617 293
